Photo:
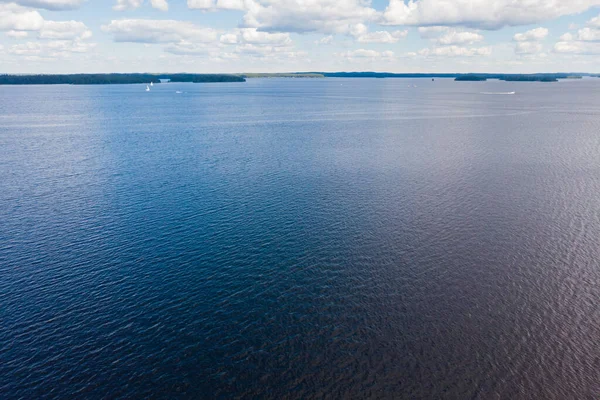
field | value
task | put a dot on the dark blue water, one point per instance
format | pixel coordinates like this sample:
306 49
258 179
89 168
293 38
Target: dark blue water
300 239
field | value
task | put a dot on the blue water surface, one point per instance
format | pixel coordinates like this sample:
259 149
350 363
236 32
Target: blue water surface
301 238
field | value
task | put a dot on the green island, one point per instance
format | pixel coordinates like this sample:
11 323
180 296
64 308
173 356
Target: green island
520 77
109 79
284 75
549 77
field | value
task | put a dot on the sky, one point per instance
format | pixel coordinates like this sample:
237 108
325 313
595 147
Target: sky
236 36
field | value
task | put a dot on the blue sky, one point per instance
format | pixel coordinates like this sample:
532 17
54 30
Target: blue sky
61 36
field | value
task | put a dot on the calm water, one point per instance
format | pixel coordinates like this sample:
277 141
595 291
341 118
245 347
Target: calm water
301 239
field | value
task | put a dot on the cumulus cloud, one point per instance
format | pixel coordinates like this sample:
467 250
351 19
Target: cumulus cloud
122 5
253 36
188 39
455 51
382 37
51 49
528 43
446 36
532 35
588 35
65 30
158 31
127 4
17 18
17 34
577 48
458 37
325 40
528 48
252 43
482 14
430 32
161 5
366 53
53 5
325 16
585 42
213 5
594 22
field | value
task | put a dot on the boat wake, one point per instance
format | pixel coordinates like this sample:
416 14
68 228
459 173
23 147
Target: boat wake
498 93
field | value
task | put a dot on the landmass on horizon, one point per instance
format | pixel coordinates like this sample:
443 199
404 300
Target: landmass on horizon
145 78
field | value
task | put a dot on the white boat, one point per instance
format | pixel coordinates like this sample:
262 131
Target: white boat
147 88
151 84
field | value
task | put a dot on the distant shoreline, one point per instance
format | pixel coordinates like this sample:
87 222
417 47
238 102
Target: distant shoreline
146 78
115 79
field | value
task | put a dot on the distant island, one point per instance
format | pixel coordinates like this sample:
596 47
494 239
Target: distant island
110 79
549 77
284 75
146 78
517 77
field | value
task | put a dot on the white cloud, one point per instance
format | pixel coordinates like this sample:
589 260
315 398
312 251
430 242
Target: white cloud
53 49
528 48
229 38
123 5
158 31
588 35
457 37
188 48
127 4
585 42
567 37
161 5
324 40
14 17
594 22
528 43
430 32
18 20
366 53
187 39
213 5
251 35
17 34
577 48
53 5
483 14
62 30
382 37
532 35
455 51
325 16
447 36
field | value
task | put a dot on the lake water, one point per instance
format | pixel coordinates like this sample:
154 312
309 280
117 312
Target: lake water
326 238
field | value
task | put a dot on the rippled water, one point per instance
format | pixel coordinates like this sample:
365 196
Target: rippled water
301 239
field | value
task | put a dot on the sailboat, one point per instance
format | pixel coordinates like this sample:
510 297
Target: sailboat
147 88
151 84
